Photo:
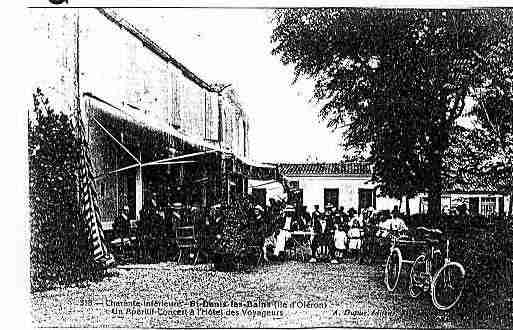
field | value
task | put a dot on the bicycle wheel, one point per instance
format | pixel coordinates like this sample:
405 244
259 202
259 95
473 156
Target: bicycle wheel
447 286
418 274
393 269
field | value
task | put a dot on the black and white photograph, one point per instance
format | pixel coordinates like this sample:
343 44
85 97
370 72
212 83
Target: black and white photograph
269 166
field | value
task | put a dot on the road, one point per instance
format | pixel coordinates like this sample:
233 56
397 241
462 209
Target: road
289 294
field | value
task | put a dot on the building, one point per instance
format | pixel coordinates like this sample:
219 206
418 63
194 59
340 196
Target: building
152 125
478 196
341 184
349 185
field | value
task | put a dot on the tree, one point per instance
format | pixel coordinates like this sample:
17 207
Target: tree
59 245
494 110
397 80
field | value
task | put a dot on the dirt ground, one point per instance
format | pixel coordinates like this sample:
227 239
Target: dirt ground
289 294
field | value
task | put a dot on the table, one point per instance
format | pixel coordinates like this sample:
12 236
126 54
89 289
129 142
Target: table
300 246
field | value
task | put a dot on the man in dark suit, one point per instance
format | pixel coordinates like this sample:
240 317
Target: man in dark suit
323 229
316 214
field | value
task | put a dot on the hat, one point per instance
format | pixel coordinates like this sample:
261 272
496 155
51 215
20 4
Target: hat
177 206
289 208
258 207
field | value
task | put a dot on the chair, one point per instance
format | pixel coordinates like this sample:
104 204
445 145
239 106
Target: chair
257 251
187 240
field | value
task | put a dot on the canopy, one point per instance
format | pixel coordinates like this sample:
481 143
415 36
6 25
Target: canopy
145 127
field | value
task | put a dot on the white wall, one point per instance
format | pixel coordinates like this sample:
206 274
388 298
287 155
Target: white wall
53 40
313 191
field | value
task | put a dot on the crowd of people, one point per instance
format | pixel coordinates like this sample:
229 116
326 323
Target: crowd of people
331 235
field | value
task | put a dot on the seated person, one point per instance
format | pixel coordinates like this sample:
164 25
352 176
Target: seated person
392 225
270 244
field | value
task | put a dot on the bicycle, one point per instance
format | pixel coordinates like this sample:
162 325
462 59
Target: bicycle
446 284
394 262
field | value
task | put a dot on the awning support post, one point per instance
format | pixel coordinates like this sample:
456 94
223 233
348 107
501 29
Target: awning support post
139 198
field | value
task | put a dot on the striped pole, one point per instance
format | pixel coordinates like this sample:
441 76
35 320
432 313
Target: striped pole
89 210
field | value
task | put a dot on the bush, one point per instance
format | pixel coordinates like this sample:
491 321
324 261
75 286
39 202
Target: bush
234 235
59 240
479 244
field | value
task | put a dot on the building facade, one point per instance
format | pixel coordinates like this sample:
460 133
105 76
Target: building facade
349 185
340 184
152 124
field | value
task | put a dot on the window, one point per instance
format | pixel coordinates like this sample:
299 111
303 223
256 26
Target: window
473 205
176 100
211 117
331 197
366 198
488 205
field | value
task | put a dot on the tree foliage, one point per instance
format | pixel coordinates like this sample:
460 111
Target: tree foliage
396 80
59 240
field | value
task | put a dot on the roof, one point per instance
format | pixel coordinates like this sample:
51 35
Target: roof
155 48
469 184
353 169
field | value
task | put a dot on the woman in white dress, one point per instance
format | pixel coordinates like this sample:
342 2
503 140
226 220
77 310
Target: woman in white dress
340 238
355 240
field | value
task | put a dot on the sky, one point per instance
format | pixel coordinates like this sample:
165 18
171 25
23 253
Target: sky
233 45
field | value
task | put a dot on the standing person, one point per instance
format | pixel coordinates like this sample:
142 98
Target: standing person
355 240
257 226
169 231
323 231
340 238
158 230
213 227
367 214
344 218
316 214
306 218
328 213
353 217
121 225
145 230
285 228
177 216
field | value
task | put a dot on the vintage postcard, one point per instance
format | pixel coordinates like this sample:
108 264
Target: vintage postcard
261 166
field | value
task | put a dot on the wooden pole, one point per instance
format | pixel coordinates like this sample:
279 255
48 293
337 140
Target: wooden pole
139 191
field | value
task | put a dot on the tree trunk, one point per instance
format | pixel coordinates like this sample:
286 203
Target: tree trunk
407 201
510 212
435 191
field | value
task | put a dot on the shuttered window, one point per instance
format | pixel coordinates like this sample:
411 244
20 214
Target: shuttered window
175 99
211 117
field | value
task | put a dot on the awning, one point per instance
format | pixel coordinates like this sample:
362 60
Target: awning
135 120
140 120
